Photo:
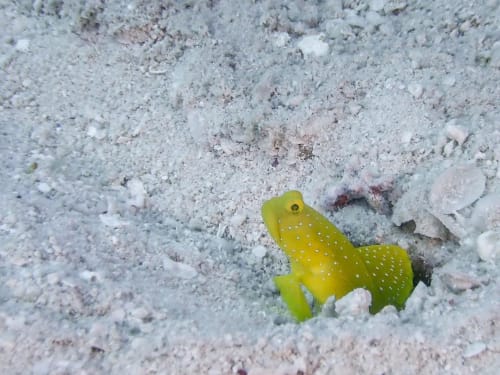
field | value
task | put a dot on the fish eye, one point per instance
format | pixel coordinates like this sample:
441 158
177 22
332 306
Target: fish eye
295 206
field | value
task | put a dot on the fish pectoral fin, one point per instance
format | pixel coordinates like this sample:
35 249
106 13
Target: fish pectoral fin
294 297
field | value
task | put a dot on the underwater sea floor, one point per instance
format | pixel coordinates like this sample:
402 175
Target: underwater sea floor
139 139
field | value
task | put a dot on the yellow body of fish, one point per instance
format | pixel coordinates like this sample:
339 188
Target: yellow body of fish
327 264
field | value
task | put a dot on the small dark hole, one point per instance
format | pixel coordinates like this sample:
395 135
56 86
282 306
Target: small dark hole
422 271
96 349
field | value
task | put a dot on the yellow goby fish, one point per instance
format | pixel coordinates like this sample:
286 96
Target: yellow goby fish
327 263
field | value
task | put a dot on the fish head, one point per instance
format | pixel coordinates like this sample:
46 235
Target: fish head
286 209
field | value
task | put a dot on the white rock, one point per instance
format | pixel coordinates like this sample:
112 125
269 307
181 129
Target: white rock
23 45
113 220
456 188
53 278
417 58
140 313
448 148
94 132
416 90
457 281
474 349
488 246
118 315
90 276
137 193
44 187
15 322
238 219
456 132
416 301
281 39
354 108
313 45
406 137
355 303
259 251
178 269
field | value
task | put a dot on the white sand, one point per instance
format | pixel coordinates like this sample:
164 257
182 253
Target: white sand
139 140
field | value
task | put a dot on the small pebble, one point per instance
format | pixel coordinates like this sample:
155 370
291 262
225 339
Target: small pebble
178 269
281 39
23 45
195 224
458 282
448 148
90 276
474 349
354 108
94 132
416 90
313 45
112 220
238 219
415 303
456 132
137 193
15 322
355 303
118 315
141 313
488 246
44 187
406 137
259 251
53 278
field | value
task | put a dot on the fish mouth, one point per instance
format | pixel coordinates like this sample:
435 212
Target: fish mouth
269 209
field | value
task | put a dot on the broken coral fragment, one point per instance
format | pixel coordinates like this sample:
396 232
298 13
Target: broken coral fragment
361 184
410 207
456 188
458 282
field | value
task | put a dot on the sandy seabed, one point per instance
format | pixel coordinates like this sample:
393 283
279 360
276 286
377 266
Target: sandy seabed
138 140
